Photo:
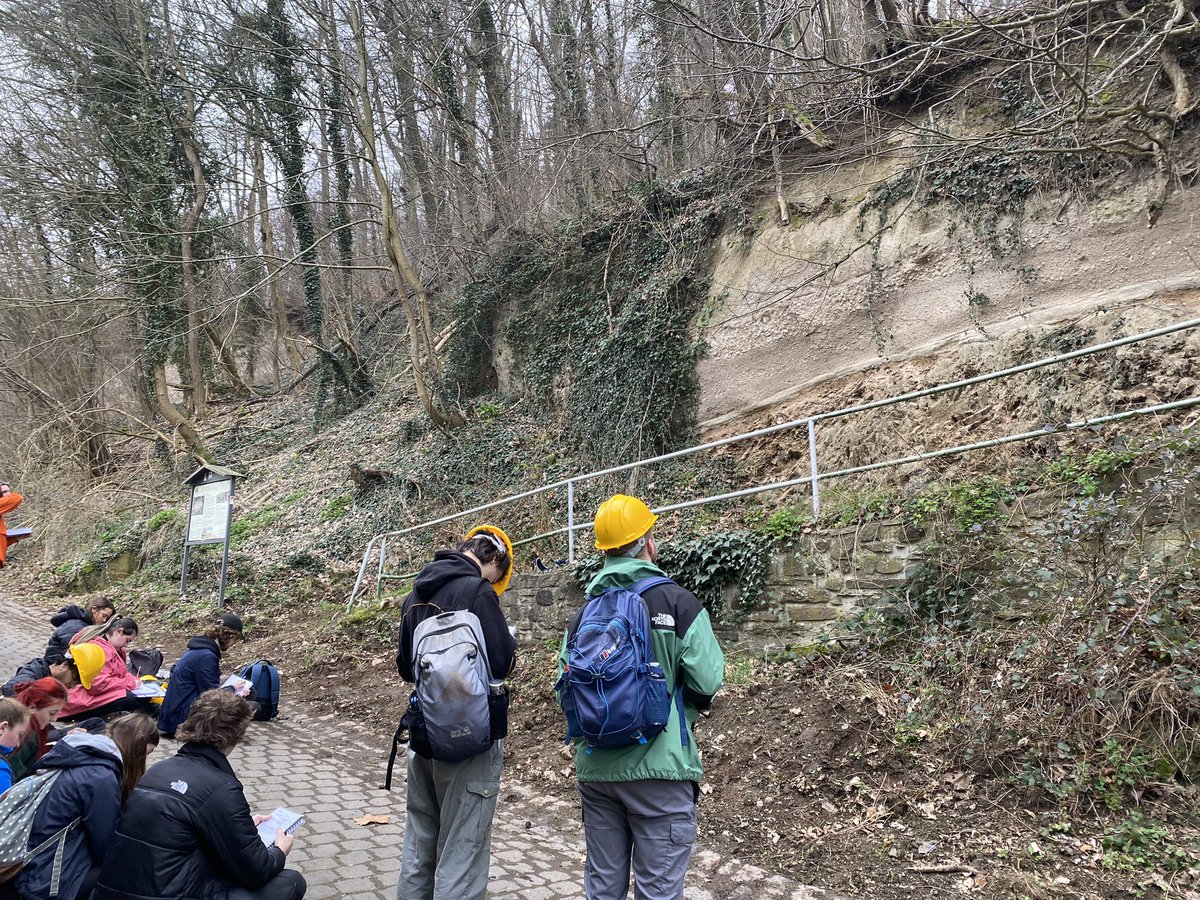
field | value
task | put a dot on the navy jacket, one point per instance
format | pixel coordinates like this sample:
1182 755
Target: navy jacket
452 582
31 671
67 622
187 834
89 787
198 670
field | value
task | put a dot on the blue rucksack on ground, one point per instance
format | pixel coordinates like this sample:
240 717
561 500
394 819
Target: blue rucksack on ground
265 679
612 690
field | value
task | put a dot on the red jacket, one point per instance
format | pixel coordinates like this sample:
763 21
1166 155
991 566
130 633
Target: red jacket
112 682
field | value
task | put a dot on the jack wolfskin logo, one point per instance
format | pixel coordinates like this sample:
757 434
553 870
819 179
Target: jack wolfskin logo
664 620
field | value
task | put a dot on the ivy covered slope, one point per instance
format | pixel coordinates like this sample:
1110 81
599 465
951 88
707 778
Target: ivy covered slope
601 323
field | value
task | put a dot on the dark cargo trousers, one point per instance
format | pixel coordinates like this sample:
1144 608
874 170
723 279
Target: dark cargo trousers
448 830
287 885
650 825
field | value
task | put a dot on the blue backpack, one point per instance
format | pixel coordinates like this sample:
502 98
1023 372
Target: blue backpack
612 690
265 678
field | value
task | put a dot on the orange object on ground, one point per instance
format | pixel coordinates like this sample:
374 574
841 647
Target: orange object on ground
8 503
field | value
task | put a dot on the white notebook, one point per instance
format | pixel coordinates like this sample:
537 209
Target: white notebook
283 819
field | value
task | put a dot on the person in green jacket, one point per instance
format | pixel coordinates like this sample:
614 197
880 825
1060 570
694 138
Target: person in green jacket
639 802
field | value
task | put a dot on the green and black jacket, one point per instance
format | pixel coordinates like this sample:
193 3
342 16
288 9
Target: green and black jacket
686 648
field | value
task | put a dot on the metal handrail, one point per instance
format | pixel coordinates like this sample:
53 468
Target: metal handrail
815 477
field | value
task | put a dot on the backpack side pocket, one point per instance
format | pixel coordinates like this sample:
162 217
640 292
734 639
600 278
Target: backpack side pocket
498 709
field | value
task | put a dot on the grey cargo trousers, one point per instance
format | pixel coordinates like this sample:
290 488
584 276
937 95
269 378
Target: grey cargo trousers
650 825
448 830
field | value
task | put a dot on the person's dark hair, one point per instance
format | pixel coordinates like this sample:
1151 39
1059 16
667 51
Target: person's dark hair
225 637
100 603
487 549
104 630
132 733
126 625
218 718
69 662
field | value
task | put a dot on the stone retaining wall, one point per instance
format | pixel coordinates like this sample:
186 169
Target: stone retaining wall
826 576
823 578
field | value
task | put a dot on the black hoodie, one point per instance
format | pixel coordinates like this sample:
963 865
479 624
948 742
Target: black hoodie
452 582
197 671
68 622
31 671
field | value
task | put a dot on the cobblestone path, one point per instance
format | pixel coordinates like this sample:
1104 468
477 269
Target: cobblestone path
333 772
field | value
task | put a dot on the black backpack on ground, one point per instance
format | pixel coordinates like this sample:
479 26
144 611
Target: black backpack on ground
145 661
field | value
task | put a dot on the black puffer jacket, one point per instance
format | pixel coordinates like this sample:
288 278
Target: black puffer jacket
67 622
31 671
186 834
451 582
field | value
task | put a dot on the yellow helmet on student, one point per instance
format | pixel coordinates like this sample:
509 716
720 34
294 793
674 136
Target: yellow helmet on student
89 660
621 520
497 534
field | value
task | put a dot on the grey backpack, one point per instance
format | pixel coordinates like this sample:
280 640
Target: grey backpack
18 807
452 674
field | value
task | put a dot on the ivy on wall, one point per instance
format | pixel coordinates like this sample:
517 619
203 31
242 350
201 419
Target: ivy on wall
710 566
603 319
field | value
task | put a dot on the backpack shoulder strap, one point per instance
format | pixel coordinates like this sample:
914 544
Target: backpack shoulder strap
59 857
640 587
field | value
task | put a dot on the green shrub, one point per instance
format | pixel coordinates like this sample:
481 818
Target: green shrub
161 518
337 508
246 525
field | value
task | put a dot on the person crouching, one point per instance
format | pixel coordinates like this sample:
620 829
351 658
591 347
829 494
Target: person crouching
187 830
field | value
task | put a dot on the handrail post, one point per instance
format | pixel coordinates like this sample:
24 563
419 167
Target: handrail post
812 464
379 571
571 521
362 570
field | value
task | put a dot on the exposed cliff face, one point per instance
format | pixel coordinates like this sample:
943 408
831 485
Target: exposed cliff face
799 307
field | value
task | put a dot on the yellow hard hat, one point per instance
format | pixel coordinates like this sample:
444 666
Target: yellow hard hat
621 520
502 584
89 660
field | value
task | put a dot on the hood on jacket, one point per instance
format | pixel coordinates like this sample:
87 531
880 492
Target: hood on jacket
76 750
447 566
67 613
204 643
620 571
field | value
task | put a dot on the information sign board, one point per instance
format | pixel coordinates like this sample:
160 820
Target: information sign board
209 521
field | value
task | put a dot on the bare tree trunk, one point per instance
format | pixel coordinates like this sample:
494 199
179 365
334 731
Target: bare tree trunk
399 39
228 361
499 105
405 277
283 333
183 130
179 422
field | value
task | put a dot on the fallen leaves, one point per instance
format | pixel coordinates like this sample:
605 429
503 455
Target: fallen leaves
372 820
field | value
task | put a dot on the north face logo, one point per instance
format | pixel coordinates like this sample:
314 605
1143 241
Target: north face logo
664 620
180 786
